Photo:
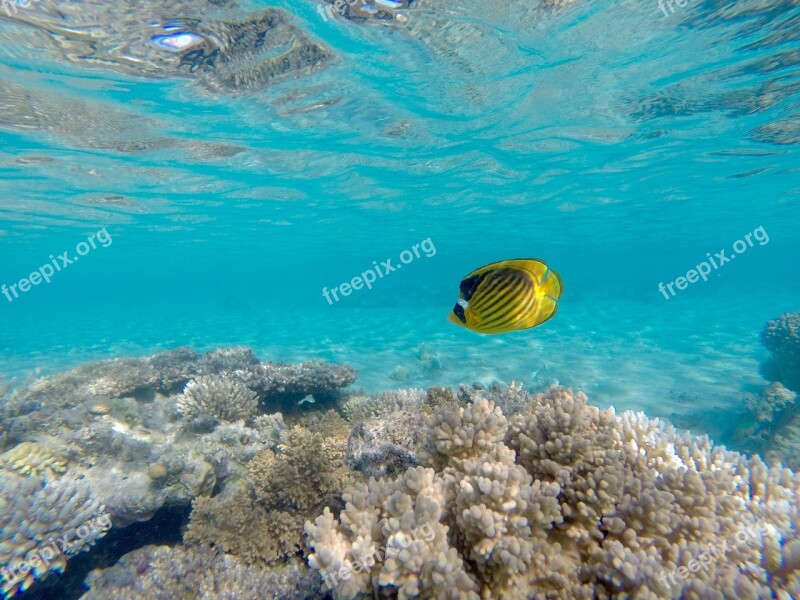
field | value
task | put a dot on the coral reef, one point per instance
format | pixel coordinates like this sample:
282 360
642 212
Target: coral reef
119 434
781 337
278 386
167 573
220 397
773 426
358 408
42 524
486 493
565 500
772 403
509 399
385 446
118 423
30 458
260 518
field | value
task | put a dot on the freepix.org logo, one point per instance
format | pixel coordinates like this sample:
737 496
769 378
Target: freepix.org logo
12 6
703 269
56 265
379 271
70 543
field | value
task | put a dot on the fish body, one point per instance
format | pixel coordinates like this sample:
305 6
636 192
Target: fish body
506 296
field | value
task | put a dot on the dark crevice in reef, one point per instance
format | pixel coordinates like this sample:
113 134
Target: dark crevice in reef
163 529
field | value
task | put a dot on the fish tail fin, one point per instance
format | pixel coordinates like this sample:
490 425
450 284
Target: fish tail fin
547 309
552 286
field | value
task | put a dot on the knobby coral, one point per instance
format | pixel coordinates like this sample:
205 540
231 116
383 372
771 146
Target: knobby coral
564 500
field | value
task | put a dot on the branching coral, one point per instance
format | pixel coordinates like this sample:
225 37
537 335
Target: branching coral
436 396
223 398
772 403
260 520
509 399
774 430
564 500
270 426
236 523
307 470
42 525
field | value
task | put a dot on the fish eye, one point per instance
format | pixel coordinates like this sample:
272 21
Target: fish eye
462 303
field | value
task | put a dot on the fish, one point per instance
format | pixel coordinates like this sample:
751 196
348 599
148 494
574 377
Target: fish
508 295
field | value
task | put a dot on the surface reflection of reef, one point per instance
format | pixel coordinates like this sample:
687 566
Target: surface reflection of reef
206 45
113 127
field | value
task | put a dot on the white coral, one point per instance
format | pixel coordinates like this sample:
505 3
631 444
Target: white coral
220 397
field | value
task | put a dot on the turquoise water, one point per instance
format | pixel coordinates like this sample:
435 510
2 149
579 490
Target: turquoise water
219 203
618 144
